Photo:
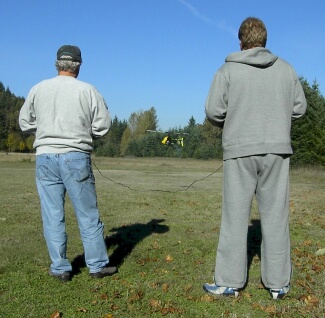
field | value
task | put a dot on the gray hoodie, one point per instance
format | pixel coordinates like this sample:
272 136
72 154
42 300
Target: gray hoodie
254 96
66 114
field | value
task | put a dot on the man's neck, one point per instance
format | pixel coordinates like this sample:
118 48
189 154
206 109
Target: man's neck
65 73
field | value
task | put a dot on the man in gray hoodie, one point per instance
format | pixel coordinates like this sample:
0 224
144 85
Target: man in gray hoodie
66 114
254 96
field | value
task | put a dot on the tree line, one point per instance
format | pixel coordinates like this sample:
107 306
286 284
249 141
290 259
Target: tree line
140 136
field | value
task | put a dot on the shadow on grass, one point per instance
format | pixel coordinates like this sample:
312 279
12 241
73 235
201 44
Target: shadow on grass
124 239
254 240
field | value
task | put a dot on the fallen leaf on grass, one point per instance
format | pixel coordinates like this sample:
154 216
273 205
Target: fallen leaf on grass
270 309
310 279
267 309
318 268
169 310
304 285
308 242
155 285
165 287
188 288
198 262
309 308
309 299
215 229
56 314
191 297
136 296
155 303
114 307
257 306
103 296
207 298
246 295
117 294
169 258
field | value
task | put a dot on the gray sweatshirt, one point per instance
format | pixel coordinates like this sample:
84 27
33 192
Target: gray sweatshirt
254 96
66 114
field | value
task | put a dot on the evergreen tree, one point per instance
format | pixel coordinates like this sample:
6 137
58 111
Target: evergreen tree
308 132
211 141
193 139
9 112
110 144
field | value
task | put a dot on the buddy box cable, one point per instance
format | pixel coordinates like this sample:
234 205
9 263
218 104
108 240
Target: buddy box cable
157 190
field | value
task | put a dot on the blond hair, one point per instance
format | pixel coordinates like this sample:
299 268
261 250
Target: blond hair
252 33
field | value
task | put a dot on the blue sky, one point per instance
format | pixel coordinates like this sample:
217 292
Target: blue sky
153 53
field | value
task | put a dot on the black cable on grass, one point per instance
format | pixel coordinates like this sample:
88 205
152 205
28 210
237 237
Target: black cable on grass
157 190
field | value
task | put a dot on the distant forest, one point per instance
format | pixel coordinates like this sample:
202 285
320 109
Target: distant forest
138 136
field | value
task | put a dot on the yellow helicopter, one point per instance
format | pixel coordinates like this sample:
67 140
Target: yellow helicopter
172 138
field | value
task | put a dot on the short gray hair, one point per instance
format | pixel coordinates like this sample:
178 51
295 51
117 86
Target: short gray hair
67 66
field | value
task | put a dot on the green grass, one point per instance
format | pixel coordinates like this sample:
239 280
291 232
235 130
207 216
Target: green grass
163 241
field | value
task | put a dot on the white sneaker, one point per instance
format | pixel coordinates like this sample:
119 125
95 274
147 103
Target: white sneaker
279 293
219 290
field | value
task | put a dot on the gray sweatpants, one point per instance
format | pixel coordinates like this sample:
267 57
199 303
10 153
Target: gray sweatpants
266 176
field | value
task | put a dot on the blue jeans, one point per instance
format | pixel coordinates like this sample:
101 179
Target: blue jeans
70 172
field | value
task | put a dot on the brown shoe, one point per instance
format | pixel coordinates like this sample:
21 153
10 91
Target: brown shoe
63 277
106 271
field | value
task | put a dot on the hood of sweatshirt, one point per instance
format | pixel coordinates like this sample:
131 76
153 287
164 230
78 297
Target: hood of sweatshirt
258 57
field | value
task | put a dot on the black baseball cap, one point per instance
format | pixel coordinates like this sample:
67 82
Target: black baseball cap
69 53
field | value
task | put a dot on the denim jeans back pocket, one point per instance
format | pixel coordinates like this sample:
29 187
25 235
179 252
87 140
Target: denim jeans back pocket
79 168
42 167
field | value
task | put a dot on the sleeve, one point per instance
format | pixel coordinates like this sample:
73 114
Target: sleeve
217 101
101 121
300 103
27 117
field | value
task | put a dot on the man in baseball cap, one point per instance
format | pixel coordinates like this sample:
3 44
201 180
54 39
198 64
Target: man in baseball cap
66 114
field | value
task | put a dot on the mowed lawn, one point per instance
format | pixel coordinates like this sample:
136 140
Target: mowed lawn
162 219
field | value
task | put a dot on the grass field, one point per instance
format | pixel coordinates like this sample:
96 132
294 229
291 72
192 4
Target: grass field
163 235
